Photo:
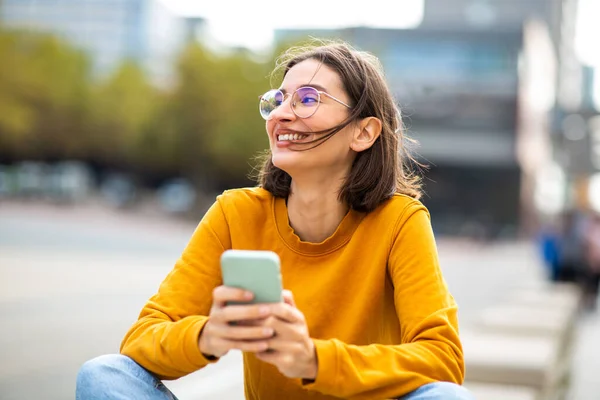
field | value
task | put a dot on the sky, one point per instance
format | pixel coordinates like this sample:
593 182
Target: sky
253 22
587 32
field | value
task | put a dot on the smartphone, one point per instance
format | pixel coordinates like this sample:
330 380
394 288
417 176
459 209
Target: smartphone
255 271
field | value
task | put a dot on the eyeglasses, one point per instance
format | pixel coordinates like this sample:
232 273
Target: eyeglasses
305 101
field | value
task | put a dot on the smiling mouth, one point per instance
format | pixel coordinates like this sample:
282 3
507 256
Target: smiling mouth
291 137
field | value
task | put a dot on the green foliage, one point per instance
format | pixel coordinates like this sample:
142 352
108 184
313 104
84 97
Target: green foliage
214 113
119 112
43 87
205 127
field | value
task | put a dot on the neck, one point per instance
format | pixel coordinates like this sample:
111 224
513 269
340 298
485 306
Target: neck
314 210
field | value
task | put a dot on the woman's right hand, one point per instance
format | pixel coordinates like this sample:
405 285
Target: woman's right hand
223 333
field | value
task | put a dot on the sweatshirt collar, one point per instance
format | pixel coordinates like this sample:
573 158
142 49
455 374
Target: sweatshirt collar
339 238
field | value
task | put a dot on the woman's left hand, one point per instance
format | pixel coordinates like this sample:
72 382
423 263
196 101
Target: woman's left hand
291 349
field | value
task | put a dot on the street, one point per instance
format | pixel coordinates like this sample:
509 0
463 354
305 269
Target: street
73 280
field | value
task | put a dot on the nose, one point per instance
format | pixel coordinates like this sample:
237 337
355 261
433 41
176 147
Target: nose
284 112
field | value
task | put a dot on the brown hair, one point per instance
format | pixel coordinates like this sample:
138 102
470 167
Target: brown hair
378 172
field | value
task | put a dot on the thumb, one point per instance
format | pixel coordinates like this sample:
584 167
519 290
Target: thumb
288 298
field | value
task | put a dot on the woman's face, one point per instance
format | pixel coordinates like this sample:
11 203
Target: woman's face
331 157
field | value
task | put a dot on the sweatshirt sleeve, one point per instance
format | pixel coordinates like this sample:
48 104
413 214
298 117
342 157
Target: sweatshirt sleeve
164 339
430 349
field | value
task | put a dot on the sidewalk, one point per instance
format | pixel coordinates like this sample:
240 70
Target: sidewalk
586 383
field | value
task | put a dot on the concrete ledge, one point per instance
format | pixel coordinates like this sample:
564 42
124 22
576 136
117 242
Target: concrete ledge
527 320
553 295
511 360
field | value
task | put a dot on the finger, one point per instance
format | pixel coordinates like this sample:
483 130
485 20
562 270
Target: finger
251 322
250 312
285 333
288 298
287 313
243 332
269 356
248 346
224 294
284 353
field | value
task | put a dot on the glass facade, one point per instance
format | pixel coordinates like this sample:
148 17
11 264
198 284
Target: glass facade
109 30
458 93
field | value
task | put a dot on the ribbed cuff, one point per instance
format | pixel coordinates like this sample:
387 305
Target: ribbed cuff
191 345
327 372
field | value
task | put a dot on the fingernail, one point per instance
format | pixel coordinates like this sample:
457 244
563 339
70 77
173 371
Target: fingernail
264 310
268 332
248 295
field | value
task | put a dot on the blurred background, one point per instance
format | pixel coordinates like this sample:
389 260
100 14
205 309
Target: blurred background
120 120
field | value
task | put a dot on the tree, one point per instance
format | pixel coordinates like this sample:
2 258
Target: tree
43 89
240 134
121 110
215 111
206 128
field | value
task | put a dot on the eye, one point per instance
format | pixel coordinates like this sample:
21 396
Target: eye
306 96
308 100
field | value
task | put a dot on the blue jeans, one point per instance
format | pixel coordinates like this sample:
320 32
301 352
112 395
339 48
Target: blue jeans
113 377
439 391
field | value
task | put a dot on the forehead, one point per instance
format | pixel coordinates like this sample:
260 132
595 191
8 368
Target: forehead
312 72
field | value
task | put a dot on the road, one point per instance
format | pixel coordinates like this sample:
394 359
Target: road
72 280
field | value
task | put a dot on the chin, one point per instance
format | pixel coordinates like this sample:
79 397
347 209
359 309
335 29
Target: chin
288 161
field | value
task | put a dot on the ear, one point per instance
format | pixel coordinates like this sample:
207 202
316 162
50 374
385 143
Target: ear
367 132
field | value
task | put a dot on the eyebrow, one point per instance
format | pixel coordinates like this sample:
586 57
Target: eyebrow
316 86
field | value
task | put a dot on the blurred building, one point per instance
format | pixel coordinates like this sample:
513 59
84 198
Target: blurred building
576 125
111 31
476 82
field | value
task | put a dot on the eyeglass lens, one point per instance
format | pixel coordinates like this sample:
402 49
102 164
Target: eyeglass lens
304 102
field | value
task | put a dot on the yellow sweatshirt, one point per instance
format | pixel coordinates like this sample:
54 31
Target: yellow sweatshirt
376 304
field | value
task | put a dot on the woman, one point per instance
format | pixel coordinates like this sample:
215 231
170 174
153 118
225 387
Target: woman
367 314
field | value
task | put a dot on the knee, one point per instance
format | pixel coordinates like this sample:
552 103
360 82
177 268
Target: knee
95 374
448 390
99 367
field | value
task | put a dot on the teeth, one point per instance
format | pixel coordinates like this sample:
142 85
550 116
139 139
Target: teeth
291 136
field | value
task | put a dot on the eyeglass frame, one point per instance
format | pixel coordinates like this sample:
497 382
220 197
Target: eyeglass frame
319 93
